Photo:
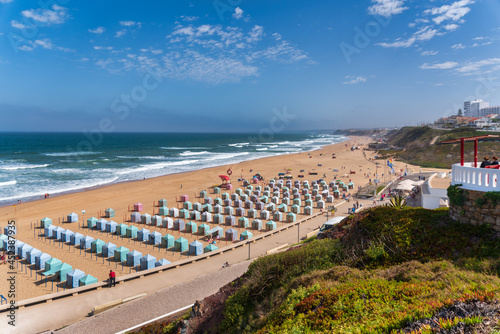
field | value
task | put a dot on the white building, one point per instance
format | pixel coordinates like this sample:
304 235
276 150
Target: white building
489 110
473 108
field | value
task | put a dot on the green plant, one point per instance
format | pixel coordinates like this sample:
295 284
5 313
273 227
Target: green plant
456 195
493 196
397 202
480 201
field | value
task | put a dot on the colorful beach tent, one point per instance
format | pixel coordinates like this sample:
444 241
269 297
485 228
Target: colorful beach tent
73 278
101 224
46 222
134 258
76 238
110 213
210 248
91 222
57 232
243 222
111 227
66 236
72 218
167 241
216 231
146 219
167 222
174 212
203 229
181 245
96 246
148 262
41 259
245 235
257 224
154 238
163 211
135 217
179 225
32 254
157 220
270 225
195 248
291 217
52 266
191 227
143 234
162 262
121 254
87 280
132 231
23 249
108 249
121 229
48 231
231 235
86 242
63 272
138 206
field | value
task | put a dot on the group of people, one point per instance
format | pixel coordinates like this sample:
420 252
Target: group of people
487 162
3 258
214 240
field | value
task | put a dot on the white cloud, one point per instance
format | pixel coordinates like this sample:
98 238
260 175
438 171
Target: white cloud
55 15
130 24
458 46
45 43
439 66
451 27
238 13
189 18
353 80
429 53
121 33
477 67
386 8
98 30
107 48
209 53
479 38
17 24
453 12
399 43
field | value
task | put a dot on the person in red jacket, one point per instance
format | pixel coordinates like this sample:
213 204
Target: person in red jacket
112 278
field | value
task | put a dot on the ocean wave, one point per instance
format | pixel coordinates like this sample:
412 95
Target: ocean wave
238 144
189 153
219 156
182 148
23 166
7 183
69 154
261 149
149 157
158 165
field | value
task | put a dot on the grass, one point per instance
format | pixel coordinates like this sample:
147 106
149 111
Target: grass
385 268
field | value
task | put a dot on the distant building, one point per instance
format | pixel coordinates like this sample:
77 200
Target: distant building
489 110
473 108
480 122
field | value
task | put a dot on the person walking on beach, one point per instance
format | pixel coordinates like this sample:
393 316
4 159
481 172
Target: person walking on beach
112 278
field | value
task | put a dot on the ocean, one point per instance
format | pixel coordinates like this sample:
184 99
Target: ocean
33 164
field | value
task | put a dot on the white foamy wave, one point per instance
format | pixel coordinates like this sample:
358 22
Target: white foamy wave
159 165
261 149
22 166
69 154
273 146
220 156
238 144
182 148
61 189
8 183
149 157
189 153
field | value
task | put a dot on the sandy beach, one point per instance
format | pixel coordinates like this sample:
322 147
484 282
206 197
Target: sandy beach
121 198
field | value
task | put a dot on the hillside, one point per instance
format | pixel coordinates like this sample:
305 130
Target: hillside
421 146
381 271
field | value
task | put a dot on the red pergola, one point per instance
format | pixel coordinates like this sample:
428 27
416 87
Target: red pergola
462 145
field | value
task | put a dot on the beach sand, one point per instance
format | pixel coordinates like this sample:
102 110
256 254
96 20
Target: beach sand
122 196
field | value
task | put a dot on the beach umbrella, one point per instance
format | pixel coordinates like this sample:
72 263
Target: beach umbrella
195 248
73 278
207 208
210 248
46 222
87 280
148 262
167 241
275 199
162 262
109 213
121 254
228 202
134 258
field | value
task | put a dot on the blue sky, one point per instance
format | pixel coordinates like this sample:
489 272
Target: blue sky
236 65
